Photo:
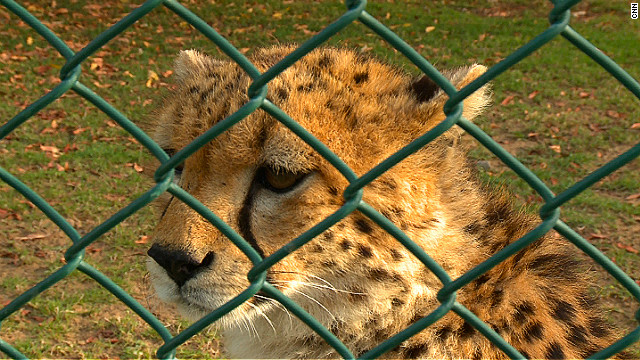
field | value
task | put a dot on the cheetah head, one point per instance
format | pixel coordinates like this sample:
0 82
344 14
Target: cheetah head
270 186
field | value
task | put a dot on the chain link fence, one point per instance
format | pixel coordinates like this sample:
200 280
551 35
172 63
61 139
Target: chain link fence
71 72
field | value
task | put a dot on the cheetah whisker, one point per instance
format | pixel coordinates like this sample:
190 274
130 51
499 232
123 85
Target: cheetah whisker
329 285
276 303
317 286
312 299
256 308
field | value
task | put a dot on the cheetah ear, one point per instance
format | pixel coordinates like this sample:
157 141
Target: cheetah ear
190 63
427 91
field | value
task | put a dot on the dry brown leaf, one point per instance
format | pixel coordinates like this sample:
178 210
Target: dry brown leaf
34 236
115 197
533 94
633 197
143 240
627 247
613 114
507 100
597 236
54 151
151 77
556 148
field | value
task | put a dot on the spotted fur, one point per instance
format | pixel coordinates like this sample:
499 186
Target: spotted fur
355 278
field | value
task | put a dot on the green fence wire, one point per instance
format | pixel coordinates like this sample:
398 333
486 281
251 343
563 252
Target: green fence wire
70 75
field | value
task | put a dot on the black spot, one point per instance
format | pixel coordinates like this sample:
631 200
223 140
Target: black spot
564 311
329 263
416 351
325 61
590 349
558 266
497 212
425 224
482 279
577 336
497 297
389 183
346 244
379 274
533 331
444 332
520 254
396 255
328 236
331 105
585 299
397 302
473 228
213 74
311 340
336 326
317 248
333 191
306 87
554 351
477 354
347 109
416 317
193 90
466 330
205 94
598 328
499 245
523 311
623 355
363 225
361 77
282 94
498 329
424 88
365 251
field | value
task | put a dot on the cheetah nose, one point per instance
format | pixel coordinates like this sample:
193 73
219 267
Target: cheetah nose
180 266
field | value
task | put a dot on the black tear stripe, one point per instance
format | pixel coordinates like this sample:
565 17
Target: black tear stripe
244 219
166 207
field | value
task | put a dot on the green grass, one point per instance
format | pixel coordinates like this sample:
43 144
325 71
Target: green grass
577 106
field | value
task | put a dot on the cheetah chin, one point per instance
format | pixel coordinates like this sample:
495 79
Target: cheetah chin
355 278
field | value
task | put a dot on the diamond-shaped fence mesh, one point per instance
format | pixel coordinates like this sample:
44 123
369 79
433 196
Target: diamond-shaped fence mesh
71 74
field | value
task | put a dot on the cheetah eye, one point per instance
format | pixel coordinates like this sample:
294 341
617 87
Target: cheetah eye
278 180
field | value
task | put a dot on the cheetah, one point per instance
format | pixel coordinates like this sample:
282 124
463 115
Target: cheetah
354 278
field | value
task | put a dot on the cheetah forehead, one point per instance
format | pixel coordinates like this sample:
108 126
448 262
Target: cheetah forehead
360 107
